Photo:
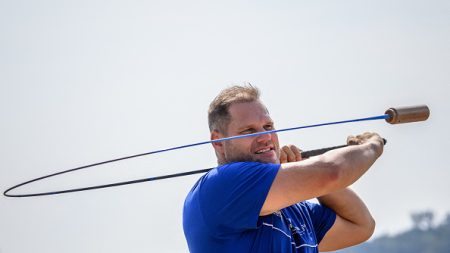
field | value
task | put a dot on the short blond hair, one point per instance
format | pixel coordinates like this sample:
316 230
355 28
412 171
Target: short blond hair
218 114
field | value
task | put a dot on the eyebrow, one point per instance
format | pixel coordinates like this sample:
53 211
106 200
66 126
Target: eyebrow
252 126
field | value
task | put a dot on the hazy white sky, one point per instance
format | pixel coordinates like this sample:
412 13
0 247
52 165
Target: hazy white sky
86 81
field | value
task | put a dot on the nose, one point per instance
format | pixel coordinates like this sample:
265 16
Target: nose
264 137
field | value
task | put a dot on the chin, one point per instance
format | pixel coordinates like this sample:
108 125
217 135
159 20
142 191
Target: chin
267 160
252 158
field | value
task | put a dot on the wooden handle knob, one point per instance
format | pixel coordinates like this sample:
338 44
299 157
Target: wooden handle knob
406 114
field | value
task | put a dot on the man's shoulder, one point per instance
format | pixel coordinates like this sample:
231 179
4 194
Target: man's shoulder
235 174
241 170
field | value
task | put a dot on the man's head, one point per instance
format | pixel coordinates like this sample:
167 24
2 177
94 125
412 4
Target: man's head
218 114
236 111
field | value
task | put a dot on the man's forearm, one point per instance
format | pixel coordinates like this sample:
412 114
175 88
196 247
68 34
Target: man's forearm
350 207
352 162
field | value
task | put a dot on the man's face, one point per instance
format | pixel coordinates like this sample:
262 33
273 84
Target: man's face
247 118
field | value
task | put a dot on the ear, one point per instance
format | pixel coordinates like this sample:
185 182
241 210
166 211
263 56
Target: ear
218 146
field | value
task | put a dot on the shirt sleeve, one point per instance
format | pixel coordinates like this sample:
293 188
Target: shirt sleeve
232 195
323 219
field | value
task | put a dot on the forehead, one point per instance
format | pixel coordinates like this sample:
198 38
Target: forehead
248 113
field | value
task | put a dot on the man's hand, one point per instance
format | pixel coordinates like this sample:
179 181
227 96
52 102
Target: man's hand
363 138
367 138
290 153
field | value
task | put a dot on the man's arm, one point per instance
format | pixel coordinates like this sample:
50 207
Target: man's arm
322 175
354 223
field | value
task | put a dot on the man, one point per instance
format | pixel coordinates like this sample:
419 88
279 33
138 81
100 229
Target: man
255 200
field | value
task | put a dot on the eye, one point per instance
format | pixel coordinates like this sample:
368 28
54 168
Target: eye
248 131
268 127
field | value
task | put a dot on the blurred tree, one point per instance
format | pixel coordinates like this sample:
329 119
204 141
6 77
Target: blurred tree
447 219
423 220
423 238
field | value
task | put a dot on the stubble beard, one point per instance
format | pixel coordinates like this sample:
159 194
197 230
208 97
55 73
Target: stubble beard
234 155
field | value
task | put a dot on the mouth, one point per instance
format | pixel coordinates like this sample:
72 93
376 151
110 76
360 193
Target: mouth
264 150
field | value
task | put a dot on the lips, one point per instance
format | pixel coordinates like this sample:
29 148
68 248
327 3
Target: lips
264 150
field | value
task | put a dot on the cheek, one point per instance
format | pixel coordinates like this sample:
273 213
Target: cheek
241 145
275 141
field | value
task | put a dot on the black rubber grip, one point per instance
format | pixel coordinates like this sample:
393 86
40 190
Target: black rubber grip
310 153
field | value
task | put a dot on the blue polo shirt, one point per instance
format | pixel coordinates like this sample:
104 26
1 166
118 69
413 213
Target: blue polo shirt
221 214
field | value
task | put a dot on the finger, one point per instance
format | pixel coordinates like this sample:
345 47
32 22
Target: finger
289 153
367 135
297 152
283 157
352 140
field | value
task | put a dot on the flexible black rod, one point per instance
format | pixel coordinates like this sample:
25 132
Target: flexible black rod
305 154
